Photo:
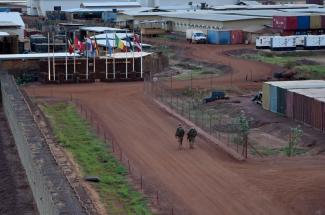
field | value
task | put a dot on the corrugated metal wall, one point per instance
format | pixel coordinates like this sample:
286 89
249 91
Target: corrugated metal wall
303 101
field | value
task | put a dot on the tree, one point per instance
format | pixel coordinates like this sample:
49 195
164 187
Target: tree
294 138
243 131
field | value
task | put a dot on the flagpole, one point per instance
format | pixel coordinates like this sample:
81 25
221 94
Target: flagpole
94 60
48 57
66 57
74 54
133 49
53 59
114 75
126 59
106 75
141 55
87 65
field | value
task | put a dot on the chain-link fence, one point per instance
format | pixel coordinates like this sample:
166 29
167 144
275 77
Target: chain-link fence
189 103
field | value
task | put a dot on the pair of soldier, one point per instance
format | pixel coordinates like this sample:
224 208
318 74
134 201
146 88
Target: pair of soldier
191 134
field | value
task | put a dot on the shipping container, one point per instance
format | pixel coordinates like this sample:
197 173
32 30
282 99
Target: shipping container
288 33
300 40
285 22
263 42
219 37
212 37
289 104
281 100
323 21
317 114
283 43
322 41
298 107
237 37
303 22
266 96
4 9
312 42
301 32
273 99
307 109
319 2
315 22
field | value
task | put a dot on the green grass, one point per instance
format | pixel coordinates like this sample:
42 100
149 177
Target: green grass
266 151
291 62
95 158
196 73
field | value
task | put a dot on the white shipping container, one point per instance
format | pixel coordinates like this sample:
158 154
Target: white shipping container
300 40
278 42
312 41
322 41
263 42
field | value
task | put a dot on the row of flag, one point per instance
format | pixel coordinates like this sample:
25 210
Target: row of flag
91 46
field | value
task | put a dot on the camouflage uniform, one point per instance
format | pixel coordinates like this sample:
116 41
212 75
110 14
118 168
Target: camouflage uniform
191 134
179 135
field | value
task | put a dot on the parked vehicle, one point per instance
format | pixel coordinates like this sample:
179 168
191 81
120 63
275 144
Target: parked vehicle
263 42
215 95
195 36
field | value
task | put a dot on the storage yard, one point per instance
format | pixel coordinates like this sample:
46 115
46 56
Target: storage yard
92 93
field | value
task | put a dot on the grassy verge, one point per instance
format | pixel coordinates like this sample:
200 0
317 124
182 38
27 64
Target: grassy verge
94 158
291 62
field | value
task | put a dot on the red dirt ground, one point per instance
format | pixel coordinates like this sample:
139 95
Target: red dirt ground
214 54
201 181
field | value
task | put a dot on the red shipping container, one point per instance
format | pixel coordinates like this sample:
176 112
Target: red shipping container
307 109
317 114
288 33
298 107
237 37
289 104
285 22
323 22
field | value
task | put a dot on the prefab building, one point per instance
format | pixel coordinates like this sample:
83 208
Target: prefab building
283 43
299 100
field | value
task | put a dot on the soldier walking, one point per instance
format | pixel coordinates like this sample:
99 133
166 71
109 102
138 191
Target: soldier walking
191 134
179 135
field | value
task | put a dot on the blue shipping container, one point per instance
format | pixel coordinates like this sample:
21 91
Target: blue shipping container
303 22
225 37
4 9
213 37
273 99
219 37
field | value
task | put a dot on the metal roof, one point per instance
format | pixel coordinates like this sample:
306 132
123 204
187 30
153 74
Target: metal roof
128 55
102 43
99 29
111 36
264 13
213 17
35 56
3 34
110 4
313 93
11 17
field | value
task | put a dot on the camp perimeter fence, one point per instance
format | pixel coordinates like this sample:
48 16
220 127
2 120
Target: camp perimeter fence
189 105
155 194
52 193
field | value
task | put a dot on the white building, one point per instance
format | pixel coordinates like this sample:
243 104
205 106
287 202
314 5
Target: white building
12 23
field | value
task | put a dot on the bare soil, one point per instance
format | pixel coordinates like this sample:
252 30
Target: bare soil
204 180
15 194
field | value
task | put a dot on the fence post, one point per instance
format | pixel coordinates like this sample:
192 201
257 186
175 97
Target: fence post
210 124
189 111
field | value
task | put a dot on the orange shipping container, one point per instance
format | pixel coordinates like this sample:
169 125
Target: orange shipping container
315 22
237 37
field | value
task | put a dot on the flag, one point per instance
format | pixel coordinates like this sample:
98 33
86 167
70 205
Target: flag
89 45
76 43
137 43
108 45
71 48
128 40
96 49
119 43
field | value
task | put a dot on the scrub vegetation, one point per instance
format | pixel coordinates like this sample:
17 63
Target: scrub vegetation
305 68
95 158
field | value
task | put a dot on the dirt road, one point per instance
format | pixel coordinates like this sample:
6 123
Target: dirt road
15 194
201 181
245 74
